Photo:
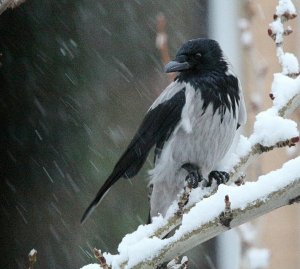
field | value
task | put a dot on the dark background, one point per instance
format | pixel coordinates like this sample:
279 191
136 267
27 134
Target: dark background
76 78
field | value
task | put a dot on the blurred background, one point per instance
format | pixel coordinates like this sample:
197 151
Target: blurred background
76 79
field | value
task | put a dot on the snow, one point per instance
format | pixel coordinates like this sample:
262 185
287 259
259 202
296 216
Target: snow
143 231
289 64
277 29
134 249
258 258
283 89
270 129
32 252
145 249
285 6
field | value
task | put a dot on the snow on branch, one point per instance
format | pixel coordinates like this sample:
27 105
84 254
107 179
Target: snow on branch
202 222
5 4
206 215
276 189
32 257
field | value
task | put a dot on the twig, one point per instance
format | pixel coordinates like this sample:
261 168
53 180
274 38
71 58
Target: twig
32 257
100 258
285 11
183 199
226 216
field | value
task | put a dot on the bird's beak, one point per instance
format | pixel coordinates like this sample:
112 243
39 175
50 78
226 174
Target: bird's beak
176 66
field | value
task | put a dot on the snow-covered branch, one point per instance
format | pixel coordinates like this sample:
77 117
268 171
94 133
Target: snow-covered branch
276 189
32 257
5 4
202 222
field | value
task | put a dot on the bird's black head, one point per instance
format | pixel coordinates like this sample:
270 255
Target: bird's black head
198 55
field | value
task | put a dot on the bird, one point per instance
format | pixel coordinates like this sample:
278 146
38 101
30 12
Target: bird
191 126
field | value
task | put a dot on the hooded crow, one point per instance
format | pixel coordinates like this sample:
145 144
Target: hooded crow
191 124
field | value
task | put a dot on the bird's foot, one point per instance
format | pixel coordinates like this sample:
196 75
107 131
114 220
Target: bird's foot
191 182
220 177
194 177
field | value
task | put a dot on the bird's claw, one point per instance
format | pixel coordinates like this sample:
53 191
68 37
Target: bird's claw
192 180
221 177
194 177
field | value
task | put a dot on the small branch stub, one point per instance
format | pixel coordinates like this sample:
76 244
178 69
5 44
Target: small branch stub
226 216
286 16
290 143
32 257
241 180
100 258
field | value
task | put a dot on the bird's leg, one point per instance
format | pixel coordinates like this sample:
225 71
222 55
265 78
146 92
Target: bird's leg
192 181
219 176
194 177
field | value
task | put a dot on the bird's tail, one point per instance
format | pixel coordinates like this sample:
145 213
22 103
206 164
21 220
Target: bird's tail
100 195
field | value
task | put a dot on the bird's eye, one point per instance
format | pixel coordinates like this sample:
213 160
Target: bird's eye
198 56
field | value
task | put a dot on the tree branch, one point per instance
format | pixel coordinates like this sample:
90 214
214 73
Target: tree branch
202 222
5 4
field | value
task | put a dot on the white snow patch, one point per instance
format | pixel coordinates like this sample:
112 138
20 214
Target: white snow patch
289 64
197 195
243 146
270 128
143 231
285 6
283 89
142 250
258 258
32 252
277 29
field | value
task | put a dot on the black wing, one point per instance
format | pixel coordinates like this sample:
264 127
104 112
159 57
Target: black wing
156 127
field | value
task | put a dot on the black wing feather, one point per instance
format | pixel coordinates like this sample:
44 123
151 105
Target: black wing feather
156 127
